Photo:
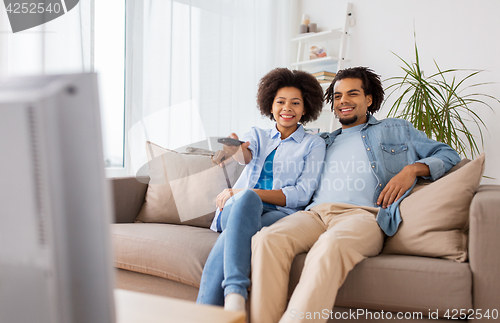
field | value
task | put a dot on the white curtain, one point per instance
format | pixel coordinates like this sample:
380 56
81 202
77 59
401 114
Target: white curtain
63 45
78 41
193 67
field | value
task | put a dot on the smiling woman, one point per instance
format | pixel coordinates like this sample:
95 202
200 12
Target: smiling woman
287 110
263 195
282 94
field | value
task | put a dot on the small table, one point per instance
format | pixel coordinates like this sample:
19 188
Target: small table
134 307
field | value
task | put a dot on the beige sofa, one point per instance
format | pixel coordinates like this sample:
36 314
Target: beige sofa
166 259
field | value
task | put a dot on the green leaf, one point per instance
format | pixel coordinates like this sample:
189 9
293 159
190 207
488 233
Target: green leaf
440 105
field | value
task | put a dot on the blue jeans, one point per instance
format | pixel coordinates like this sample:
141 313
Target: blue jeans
227 269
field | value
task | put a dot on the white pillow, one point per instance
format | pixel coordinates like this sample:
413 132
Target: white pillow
183 187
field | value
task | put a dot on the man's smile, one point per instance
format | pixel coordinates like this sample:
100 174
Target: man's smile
346 110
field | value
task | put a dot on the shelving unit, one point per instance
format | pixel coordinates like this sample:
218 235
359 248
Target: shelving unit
303 56
319 36
306 40
338 58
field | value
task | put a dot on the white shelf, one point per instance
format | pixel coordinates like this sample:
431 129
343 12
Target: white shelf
316 61
330 37
319 36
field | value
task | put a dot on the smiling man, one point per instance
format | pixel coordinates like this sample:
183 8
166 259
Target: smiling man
370 166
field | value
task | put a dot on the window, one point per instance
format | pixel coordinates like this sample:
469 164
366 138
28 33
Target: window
110 65
192 70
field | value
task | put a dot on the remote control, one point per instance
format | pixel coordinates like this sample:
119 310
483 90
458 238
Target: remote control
230 141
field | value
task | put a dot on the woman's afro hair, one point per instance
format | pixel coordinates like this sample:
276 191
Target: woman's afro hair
311 91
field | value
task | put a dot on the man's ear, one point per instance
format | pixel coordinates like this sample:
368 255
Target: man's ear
369 98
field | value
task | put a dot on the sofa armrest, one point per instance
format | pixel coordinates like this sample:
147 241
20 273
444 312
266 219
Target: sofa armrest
128 197
484 246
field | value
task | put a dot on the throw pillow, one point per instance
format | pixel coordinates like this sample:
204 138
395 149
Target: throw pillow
436 216
183 187
422 182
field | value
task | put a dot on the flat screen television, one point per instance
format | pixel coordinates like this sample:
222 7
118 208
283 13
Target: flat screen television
55 210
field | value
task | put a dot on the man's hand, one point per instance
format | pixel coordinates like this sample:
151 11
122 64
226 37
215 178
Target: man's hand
400 183
226 195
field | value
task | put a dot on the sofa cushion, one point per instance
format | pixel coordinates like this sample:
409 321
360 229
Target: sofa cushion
436 217
175 252
385 282
402 283
183 187
144 283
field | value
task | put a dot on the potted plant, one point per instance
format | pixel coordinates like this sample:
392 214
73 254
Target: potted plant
440 105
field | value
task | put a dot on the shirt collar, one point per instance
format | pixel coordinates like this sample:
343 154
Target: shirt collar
353 129
297 135
372 120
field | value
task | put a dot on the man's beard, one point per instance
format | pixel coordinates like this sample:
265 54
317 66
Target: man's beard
348 120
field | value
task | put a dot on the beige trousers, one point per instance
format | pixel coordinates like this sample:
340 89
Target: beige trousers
336 236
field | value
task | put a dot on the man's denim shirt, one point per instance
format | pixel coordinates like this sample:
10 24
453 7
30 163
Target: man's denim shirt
391 144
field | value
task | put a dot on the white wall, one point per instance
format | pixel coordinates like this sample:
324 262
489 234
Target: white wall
456 33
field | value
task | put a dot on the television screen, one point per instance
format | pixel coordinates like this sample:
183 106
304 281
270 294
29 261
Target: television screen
55 250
